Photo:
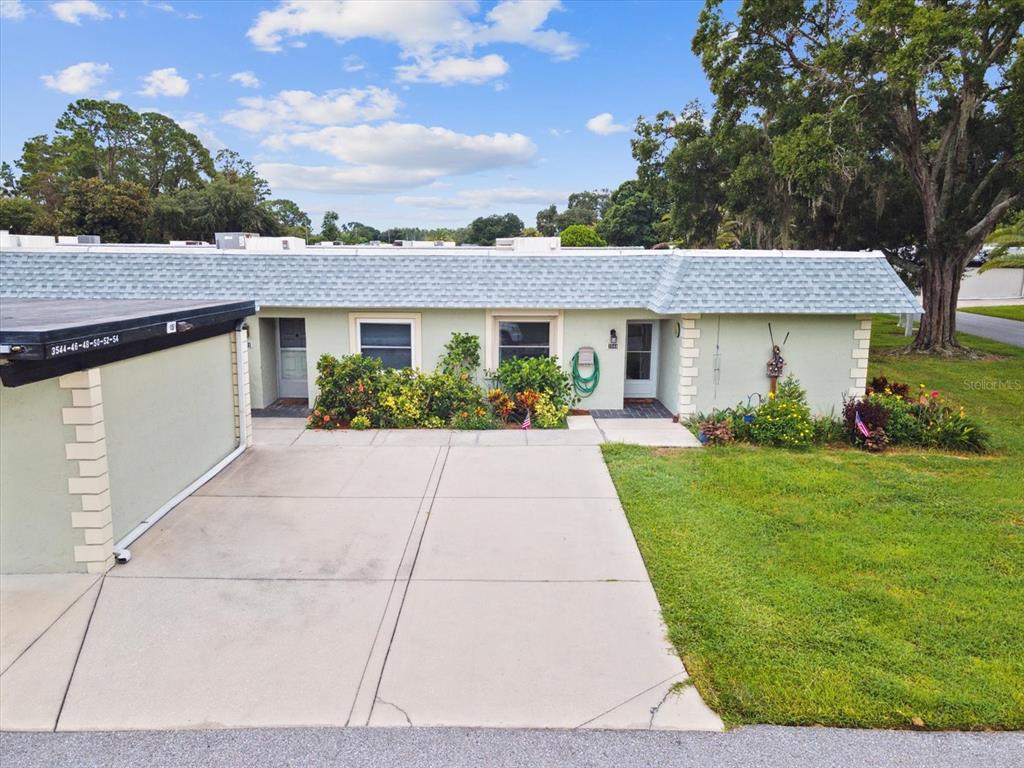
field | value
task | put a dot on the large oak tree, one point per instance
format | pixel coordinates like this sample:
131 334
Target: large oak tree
928 91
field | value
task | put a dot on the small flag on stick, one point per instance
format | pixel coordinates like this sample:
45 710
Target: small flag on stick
861 426
526 421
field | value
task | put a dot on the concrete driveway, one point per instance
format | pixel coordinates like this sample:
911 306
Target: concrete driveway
383 579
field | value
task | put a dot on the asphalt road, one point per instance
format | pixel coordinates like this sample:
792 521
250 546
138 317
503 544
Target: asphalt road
752 747
998 328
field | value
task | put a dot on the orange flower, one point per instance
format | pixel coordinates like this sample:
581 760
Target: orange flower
327 417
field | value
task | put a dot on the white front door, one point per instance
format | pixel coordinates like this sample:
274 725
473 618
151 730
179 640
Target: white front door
641 358
292 357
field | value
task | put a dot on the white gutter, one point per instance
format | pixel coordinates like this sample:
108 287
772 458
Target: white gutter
121 553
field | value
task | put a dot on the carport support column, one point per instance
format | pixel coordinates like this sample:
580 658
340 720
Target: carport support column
861 350
689 351
89 478
240 393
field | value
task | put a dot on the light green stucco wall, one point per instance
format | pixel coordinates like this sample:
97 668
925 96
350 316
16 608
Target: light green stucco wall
818 353
35 507
438 327
668 365
592 328
262 360
327 330
169 418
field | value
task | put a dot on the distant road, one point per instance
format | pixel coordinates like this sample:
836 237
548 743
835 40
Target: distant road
997 328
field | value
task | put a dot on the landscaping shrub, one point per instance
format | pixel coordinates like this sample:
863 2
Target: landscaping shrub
548 415
874 415
894 416
883 385
714 432
477 418
403 400
946 427
502 404
541 374
783 422
741 419
461 355
451 393
358 391
827 430
348 386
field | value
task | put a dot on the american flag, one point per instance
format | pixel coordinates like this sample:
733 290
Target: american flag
526 421
861 426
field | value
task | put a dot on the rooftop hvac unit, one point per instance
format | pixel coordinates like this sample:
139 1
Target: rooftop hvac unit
226 240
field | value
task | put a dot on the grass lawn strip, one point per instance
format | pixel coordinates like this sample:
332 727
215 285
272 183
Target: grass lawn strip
836 587
1007 311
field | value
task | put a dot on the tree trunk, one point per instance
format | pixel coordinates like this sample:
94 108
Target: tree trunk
940 286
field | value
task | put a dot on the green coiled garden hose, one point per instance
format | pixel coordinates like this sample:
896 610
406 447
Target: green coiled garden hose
585 385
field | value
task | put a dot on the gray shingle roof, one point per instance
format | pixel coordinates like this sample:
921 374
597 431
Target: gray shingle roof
666 282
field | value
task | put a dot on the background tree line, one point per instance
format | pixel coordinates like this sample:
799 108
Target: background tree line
132 177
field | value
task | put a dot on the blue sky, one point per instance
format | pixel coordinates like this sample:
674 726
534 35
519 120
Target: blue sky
390 113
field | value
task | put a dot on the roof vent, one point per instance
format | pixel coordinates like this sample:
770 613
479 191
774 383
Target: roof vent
528 244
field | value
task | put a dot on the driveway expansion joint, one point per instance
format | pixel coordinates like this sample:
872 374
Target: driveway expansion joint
78 654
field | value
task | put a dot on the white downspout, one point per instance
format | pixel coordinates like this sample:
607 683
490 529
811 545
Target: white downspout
121 553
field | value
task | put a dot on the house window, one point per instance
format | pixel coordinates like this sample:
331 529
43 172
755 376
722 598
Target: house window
523 338
390 341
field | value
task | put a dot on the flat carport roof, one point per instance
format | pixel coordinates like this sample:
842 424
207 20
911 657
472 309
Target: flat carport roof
43 338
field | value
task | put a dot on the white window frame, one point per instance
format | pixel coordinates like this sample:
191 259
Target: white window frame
411 319
492 341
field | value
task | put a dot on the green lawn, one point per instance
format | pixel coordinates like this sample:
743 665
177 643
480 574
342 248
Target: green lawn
843 588
1008 311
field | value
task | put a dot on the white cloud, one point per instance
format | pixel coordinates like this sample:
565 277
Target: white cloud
340 180
475 199
453 69
72 11
430 34
78 78
296 109
13 9
521 21
392 156
246 79
164 82
165 7
353 64
409 145
604 124
112 95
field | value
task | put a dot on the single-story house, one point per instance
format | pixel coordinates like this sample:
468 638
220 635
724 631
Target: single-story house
692 329
111 411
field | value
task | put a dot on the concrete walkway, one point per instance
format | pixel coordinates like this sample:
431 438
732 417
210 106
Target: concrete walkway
363 578
997 328
583 430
